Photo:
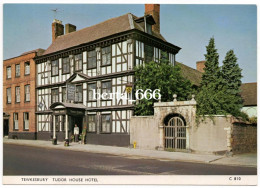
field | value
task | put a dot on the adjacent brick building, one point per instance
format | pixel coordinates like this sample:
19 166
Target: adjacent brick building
19 95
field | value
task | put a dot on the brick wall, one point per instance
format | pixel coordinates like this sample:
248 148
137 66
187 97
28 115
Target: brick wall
22 106
244 138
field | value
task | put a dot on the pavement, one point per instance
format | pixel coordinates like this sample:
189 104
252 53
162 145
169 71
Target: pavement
249 160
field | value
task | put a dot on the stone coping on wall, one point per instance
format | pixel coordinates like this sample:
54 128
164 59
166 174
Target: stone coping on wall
175 103
142 116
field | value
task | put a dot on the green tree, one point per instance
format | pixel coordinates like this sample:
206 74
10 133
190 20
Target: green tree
212 70
231 76
161 76
219 89
210 93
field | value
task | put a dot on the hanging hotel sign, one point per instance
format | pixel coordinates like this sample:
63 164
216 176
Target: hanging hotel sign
71 89
129 88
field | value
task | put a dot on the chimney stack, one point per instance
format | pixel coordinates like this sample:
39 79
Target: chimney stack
57 29
69 28
154 10
200 66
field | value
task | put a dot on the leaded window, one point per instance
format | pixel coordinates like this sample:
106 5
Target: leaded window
92 88
148 52
27 93
106 123
17 94
106 56
78 62
78 93
65 65
92 123
55 68
54 95
92 59
106 88
9 95
64 94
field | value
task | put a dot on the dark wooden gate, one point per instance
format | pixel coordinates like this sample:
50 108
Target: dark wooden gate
175 134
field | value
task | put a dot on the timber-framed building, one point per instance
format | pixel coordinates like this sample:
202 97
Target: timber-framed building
101 58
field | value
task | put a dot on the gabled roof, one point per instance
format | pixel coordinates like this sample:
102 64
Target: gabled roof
104 29
191 74
249 94
84 76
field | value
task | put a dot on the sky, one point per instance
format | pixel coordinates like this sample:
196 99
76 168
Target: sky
28 26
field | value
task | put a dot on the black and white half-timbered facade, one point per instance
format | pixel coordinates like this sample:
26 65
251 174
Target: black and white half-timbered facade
81 65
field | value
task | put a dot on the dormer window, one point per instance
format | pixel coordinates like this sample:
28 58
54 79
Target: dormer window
146 23
149 28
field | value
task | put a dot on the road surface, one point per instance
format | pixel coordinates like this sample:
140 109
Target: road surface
28 160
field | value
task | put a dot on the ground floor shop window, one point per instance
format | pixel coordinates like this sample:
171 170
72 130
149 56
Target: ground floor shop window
92 123
106 123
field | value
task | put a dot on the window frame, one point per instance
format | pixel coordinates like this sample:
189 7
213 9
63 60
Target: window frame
52 90
149 29
77 61
9 88
16 65
28 85
25 64
62 65
27 120
7 72
93 100
110 126
14 128
95 121
110 48
77 85
62 89
57 60
91 57
108 99
17 95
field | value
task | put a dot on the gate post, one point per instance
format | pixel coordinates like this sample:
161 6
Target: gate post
161 137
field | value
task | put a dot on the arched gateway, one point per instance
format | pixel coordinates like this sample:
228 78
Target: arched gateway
174 132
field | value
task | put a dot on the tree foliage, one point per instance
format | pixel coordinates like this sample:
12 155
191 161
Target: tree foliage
220 86
161 76
209 95
231 76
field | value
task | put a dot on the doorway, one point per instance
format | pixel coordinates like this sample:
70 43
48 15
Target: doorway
6 127
76 120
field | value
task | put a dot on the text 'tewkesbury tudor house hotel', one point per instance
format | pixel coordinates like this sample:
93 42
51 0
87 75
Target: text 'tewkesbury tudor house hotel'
100 57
